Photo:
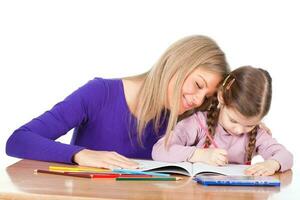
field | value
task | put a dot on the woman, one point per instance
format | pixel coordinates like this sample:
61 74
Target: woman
119 118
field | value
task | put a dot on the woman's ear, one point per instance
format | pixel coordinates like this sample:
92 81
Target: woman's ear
220 97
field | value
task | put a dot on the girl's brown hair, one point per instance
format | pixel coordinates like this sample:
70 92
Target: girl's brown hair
247 90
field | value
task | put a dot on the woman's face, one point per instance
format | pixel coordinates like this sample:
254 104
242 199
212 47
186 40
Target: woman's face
199 85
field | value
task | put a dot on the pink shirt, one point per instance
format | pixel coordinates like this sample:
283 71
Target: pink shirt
188 135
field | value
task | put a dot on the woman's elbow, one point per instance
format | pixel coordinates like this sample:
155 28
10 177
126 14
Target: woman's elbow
13 144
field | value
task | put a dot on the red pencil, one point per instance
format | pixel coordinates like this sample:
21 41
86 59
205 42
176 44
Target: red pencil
110 175
90 175
62 173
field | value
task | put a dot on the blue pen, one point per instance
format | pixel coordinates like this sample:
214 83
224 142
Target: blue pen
128 171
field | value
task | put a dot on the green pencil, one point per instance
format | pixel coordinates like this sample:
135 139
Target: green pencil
148 179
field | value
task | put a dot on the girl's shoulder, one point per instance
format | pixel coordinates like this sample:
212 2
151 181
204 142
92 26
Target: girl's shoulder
263 136
262 132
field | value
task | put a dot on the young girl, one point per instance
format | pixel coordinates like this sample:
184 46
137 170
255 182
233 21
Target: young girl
230 128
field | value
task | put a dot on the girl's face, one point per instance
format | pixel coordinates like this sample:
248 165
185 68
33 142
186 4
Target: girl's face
235 123
199 85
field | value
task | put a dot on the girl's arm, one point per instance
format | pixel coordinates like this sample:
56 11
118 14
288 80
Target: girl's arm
182 142
270 149
36 139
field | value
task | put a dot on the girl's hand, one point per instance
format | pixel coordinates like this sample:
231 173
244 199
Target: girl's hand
266 168
210 156
263 126
105 159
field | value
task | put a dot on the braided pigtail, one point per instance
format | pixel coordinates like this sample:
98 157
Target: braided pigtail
251 145
212 119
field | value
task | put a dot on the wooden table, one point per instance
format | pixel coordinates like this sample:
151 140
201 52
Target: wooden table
19 182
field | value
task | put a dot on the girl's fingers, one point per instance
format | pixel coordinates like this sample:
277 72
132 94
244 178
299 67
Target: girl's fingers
260 172
223 152
268 173
253 169
221 160
224 158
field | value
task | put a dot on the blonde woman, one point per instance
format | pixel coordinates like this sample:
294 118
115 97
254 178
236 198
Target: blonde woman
117 119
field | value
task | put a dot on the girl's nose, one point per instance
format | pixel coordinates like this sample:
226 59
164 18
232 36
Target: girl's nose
239 130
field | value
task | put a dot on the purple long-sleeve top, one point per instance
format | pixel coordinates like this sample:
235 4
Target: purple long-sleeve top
101 119
188 135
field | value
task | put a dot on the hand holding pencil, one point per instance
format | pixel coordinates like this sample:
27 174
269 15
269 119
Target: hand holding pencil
210 156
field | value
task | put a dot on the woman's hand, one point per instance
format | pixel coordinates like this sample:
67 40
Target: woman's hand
266 168
216 157
105 159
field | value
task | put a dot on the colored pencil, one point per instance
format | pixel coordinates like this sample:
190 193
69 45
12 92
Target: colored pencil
148 179
91 175
61 173
77 168
129 171
111 175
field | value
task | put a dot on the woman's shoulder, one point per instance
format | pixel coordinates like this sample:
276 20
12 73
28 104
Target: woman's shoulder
100 85
99 82
99 91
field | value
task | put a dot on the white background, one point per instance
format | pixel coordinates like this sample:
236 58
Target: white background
50 48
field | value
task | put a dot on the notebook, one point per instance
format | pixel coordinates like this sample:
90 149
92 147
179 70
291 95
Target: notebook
191 169
238 180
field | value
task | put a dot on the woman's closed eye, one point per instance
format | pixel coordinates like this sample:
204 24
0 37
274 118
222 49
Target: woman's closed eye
198 85
233 121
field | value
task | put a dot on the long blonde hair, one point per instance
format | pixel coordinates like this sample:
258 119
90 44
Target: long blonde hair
179 60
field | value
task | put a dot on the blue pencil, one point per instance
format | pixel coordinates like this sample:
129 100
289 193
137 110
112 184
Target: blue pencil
129 171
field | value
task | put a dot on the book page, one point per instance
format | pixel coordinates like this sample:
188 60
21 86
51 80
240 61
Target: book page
184 168
228 170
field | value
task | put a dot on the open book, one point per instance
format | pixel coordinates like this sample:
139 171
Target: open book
191 169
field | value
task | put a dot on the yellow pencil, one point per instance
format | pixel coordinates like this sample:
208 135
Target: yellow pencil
77 169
